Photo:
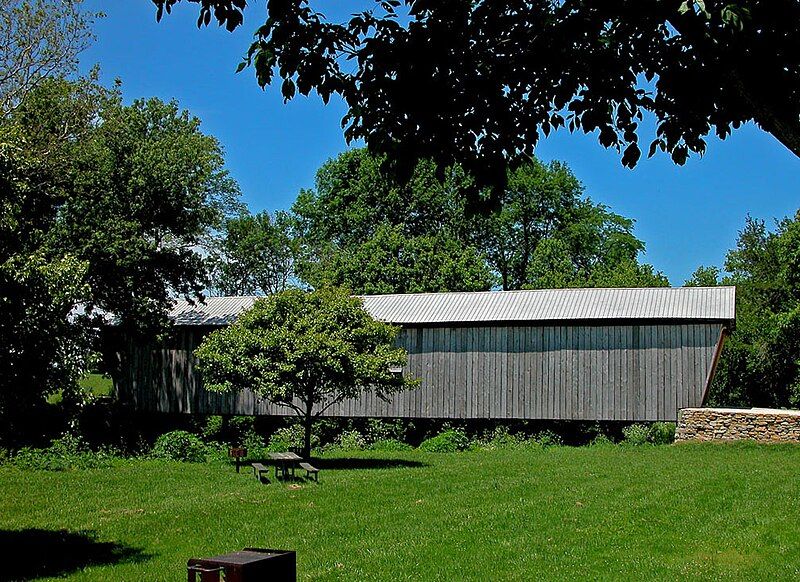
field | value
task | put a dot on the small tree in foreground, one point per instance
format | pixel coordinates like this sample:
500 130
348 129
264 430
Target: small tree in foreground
306 351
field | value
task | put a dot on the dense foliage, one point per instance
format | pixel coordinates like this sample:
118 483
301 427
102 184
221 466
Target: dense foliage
306 351
39 40
479 82
760 365
179 445
255 255
362 229
103 208
548 234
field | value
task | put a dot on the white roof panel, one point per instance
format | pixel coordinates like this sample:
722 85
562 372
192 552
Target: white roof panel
683 303
665 303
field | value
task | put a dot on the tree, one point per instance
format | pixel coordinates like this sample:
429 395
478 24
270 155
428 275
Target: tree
626 273
306 351
760 365
392 262
255 255
39 39
44 347
148 190
547 234
478 82
704 277
362 229
101 206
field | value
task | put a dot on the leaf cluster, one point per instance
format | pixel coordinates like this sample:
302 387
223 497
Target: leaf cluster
760 365
304 350
478 83
362 229
255 255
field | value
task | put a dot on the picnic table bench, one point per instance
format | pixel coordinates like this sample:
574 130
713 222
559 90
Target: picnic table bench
285 463
310 470
259 470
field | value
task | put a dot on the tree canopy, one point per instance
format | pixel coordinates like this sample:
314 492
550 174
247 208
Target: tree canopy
149 187
478 83
547 234
362 229
760 365
255 255
39 40
306 351
102 206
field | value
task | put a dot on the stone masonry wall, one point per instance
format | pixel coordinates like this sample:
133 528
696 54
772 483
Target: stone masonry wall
727 424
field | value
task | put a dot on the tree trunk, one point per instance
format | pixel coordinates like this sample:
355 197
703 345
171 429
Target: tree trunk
768 113
786 132
308 423
776 117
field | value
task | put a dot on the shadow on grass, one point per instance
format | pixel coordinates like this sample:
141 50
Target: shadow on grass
347 464
36 553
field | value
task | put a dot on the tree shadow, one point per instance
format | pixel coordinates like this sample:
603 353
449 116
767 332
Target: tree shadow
36 553
358 463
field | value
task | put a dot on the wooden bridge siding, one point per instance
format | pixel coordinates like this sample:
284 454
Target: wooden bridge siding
601 372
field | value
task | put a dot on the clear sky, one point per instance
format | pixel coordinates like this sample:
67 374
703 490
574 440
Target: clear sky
687 215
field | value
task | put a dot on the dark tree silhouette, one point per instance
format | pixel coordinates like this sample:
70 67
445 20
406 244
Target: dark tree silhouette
479 82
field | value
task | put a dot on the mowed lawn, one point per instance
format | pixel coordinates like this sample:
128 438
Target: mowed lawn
610 513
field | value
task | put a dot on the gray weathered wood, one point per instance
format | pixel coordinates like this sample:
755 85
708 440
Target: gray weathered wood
598 372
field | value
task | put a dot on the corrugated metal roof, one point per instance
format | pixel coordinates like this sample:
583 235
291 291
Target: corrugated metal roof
685 303
680 303
214 311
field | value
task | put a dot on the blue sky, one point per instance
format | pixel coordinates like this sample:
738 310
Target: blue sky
687 215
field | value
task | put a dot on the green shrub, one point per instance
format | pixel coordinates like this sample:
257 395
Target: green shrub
180 445
378 429
212 430
240 428
390 445
499 438
661 433
448 441
287 437
66 453
256 446
351 440
546 438
601 440
635 434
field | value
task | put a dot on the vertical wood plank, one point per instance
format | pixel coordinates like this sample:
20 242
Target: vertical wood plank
424 404
575 372
468 378
546 379
491 374
588 365
662 373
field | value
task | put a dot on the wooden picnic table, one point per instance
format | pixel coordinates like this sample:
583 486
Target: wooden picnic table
287 461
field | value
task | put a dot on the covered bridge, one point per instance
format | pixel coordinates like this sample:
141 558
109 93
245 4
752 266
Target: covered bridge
583 354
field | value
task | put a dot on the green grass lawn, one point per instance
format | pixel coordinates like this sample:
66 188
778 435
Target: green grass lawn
673 512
